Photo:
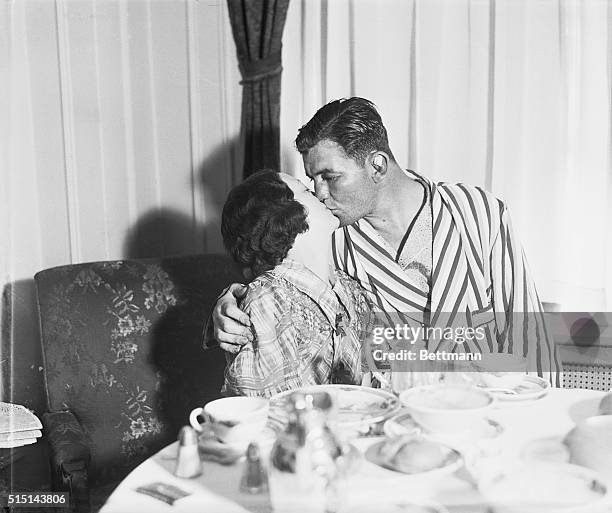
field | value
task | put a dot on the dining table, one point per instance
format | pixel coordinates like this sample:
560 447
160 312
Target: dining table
528 425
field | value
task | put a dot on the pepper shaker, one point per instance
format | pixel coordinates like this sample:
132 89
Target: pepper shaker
254 479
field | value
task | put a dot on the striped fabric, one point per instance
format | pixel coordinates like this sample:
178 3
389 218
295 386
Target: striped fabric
479 273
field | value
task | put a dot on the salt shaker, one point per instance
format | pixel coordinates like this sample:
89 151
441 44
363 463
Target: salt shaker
255 479
188 459
305 470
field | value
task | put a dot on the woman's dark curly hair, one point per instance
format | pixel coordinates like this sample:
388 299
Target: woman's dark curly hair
260 221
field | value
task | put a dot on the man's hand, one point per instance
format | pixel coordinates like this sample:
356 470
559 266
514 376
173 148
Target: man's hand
232 325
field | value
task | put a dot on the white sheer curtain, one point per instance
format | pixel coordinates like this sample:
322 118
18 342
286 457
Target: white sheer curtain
119 138
512 95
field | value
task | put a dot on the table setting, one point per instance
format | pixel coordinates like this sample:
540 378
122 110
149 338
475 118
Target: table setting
504 442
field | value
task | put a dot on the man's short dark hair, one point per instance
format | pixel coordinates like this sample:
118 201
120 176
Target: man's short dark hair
260 221
352 123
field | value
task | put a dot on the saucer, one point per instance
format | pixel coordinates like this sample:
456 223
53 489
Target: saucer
530 388
211 448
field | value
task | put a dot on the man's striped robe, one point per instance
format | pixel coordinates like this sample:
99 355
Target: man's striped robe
479 273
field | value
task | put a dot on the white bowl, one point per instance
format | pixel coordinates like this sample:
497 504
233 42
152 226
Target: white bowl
447 408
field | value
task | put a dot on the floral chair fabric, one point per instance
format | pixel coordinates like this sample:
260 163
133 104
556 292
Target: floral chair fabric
123 354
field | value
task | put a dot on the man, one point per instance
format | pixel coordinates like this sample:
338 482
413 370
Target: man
425 251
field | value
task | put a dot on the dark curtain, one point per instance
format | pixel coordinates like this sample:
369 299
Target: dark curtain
257 26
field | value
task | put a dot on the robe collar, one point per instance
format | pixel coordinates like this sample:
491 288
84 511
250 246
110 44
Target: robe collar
451 285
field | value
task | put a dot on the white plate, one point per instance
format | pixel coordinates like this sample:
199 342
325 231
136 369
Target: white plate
546 488
531 388
454 462
485 435
397 506
402 424
356 406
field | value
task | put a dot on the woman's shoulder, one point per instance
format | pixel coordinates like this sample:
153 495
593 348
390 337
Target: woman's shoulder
267 291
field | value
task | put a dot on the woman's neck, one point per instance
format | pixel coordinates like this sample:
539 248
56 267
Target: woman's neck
317 260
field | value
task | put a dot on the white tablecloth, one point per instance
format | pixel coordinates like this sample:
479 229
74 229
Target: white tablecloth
216 490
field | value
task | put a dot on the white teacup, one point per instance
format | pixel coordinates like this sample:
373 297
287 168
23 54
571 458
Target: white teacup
233 420
605 406
590 444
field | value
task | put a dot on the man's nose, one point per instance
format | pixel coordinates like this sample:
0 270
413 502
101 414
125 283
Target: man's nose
321 191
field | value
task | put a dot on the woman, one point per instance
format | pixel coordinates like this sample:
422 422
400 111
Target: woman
307 318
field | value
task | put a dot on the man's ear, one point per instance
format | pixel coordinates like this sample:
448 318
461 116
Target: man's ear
378 161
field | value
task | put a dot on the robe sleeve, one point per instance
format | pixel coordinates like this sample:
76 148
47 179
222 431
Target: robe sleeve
520 319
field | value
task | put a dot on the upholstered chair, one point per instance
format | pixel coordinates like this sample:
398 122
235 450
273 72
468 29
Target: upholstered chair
124 362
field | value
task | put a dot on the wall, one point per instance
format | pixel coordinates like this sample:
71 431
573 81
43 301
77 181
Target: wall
122 121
